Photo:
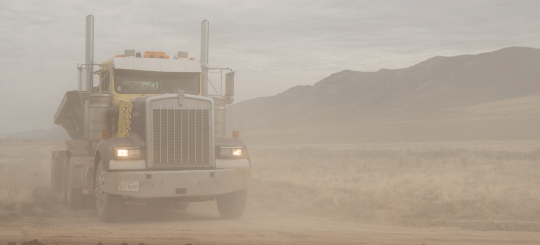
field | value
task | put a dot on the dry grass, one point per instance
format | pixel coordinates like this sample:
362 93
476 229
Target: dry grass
15 202
409 183
24 181
397 184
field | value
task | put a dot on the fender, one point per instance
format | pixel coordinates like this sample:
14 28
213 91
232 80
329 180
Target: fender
232 142
105 148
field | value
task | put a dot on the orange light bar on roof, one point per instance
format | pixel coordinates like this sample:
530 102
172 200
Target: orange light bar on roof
155 54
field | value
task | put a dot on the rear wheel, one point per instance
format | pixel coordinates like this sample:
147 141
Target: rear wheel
108 206
74 197
56 174
65 177
232 205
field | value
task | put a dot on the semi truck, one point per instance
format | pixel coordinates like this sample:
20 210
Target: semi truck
149 131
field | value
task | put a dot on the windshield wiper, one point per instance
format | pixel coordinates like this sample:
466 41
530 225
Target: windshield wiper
147 88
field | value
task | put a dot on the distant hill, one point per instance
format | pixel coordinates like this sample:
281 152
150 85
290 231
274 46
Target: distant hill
432 89
53 134
489 96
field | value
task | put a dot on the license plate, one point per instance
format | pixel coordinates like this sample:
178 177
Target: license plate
129 186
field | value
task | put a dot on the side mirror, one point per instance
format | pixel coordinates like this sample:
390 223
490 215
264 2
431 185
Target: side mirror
229 84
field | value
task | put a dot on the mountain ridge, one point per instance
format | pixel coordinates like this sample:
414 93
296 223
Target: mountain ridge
488 96
434 84
55 133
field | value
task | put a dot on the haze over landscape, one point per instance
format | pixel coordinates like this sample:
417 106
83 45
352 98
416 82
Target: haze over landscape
360 122
304 41
468 97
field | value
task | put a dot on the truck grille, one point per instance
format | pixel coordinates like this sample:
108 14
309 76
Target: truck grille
181 138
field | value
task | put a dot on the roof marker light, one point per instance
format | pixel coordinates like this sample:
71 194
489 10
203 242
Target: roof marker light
155 54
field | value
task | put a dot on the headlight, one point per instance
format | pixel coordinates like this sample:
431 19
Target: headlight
127 152
227 151
237 152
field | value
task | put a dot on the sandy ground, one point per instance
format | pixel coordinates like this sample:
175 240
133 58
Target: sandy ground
201 224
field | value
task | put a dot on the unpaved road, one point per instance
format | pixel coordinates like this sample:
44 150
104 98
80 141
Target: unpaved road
200 224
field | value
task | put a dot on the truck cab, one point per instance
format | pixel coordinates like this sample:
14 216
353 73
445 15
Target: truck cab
150 132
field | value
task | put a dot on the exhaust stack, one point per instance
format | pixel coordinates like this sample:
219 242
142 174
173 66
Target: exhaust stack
89 65
219 102
89 56
205 38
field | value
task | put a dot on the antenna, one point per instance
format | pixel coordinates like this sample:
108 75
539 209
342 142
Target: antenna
152 33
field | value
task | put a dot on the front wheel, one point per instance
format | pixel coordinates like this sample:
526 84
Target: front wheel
232 205
108 206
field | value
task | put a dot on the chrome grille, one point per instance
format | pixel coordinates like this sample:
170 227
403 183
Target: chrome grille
181 138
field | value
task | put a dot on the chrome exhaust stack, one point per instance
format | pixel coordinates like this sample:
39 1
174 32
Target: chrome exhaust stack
89 54
205 38
89 66
220 100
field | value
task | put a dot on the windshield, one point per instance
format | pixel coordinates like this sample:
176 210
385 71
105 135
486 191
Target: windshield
151 82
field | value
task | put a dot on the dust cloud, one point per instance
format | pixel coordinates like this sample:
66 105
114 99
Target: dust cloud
424 190
335 167
443 152
25 178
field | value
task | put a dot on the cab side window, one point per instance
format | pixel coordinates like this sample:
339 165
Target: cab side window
105 81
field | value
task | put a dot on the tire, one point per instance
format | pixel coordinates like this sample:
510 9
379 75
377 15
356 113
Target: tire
180 205
232 205
73 198
64 175
56 175
108 206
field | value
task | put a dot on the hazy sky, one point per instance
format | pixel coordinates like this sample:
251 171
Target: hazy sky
272 45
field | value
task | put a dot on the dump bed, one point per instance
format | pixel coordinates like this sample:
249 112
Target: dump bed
70 114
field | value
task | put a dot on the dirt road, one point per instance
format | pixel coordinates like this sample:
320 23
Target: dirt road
201 224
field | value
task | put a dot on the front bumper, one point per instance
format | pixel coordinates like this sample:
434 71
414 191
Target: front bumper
164 184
